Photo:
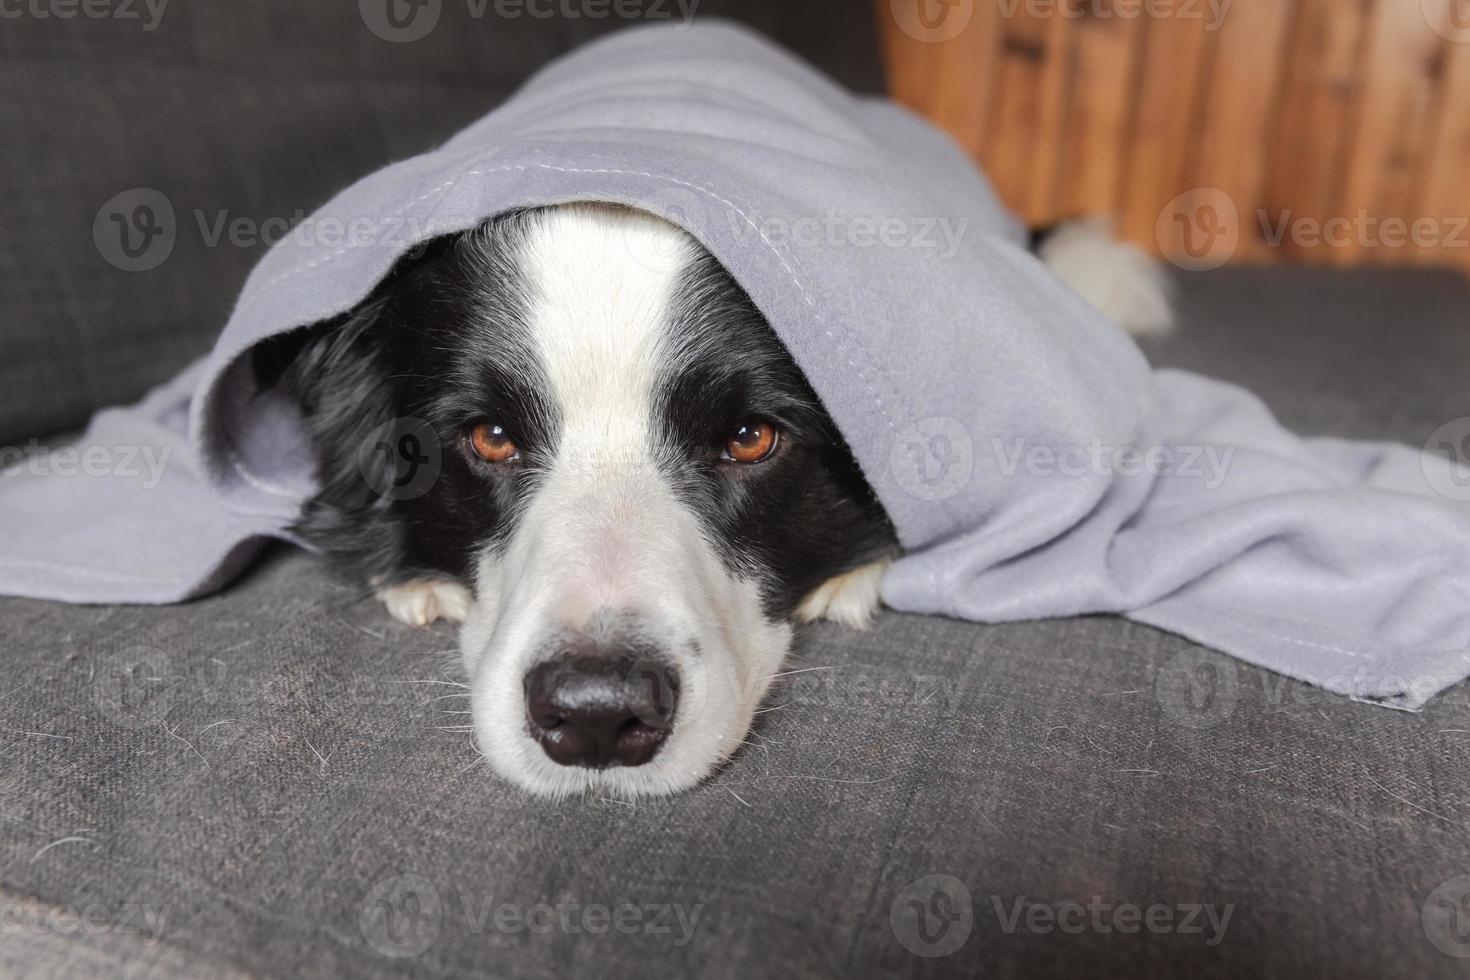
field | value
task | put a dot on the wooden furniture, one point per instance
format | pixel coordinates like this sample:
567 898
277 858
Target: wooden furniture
1334 115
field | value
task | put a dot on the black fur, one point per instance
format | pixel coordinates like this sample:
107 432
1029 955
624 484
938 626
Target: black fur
444 341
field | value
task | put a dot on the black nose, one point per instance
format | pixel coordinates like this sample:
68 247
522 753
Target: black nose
598 711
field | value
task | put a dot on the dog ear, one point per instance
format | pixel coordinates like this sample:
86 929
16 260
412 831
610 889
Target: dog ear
338 374
350 378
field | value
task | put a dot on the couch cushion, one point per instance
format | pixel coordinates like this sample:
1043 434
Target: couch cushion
202 132
264 782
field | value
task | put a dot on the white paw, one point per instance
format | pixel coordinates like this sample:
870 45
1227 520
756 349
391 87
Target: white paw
850 599
1130 288
420 602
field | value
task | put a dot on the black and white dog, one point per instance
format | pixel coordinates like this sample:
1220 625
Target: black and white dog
638 494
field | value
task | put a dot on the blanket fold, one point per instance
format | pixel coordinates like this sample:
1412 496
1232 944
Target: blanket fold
1033 464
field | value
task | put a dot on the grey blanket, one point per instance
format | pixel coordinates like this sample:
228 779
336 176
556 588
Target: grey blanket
1031 461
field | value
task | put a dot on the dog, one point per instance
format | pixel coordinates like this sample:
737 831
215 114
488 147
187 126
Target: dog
638 496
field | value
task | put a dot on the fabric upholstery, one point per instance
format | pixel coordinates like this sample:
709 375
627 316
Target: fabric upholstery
245 112
264 768
1032 463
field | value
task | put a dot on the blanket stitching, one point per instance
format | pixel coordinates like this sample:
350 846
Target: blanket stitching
786 266
1303 643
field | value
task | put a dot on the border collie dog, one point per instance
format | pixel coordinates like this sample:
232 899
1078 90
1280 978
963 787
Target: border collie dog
636 493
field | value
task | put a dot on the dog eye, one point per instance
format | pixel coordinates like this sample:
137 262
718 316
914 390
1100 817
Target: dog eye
751 442
491 444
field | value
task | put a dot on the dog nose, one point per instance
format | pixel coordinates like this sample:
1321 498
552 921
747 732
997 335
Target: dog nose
599 711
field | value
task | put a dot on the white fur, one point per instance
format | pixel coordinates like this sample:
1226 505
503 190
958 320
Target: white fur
850 599
1122 282
605 534
423 601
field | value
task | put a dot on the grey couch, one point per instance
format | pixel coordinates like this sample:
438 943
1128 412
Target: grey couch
269 782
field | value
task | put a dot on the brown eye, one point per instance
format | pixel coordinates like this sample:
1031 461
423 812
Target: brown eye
491 444
751 442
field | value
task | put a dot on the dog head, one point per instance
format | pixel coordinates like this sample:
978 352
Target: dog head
631 476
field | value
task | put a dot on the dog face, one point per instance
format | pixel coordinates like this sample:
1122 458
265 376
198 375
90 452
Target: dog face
636 485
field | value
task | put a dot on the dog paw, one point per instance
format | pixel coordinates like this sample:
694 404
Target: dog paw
850 599
423 601
1129 287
